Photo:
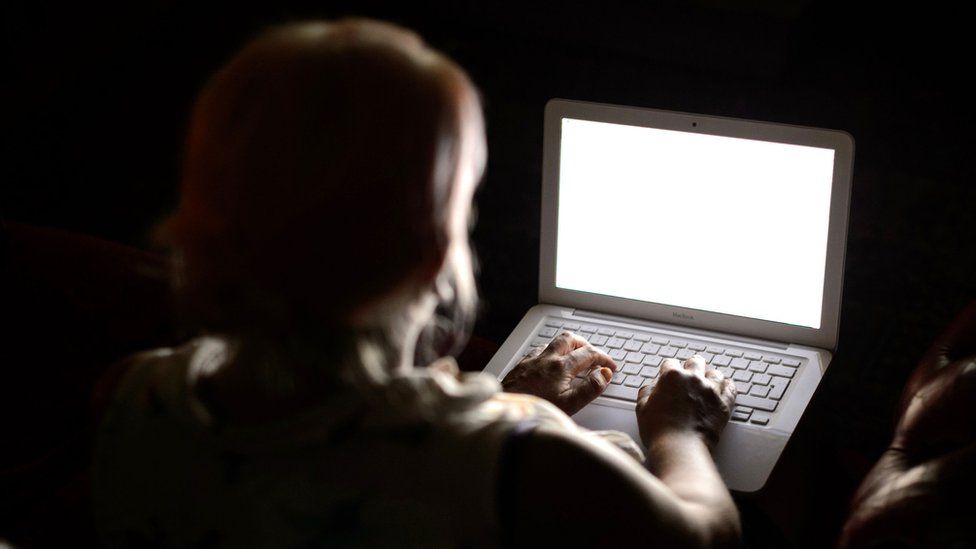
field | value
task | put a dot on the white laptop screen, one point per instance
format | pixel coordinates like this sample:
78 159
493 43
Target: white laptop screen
721 224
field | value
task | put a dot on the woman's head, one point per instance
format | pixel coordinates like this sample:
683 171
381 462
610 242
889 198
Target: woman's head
328 176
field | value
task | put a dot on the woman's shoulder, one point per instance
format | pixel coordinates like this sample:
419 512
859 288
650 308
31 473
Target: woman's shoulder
152 376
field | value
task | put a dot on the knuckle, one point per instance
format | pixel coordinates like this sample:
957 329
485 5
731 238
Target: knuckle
595 380
671 375
726 406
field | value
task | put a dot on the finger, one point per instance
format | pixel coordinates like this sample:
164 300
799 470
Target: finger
534 352
565 343
642 394
587 357
669 364
582 394
728 392
695 365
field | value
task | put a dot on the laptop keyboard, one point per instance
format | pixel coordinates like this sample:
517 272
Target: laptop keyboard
761 378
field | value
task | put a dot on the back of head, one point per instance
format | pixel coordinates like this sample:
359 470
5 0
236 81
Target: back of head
328 169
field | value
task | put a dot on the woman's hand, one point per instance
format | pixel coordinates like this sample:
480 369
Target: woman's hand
688 398
680 418
551 374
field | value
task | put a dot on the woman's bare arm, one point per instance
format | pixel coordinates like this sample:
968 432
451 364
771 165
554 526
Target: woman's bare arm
684 464
569 489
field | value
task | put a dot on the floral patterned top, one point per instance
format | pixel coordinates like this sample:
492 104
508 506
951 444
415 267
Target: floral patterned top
419 471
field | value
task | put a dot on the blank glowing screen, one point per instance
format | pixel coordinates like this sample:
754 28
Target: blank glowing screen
720 224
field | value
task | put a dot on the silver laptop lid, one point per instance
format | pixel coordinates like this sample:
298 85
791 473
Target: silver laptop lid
713 223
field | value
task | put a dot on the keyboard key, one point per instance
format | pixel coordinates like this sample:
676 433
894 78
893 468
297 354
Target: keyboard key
634 381
758 403
642 337
625 335
791 362
650 348
715 350
605 331
632 369
615 343
777 386
761 379
742 388
708 357
771 359
618 378
552 322
540 342
696 346
721 361
649 372
685 354
678 344
759 391
726 371
742 375
660 340
617 354
598 339
760 419
757 366
635 357
667 352
652 360
621 391
588 328
740 363
742 409
632 345
781 371
547 332
571 326
740 416
753 356
733 352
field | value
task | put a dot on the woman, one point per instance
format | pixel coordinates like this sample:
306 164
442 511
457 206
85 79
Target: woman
321 244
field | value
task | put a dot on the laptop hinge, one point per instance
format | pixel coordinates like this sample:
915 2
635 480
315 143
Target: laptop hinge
685 329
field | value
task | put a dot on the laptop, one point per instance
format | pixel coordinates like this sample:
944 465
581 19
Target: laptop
668 234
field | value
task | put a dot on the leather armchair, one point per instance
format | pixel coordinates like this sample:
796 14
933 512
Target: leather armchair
922 492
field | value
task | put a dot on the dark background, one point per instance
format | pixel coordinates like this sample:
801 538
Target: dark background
95 100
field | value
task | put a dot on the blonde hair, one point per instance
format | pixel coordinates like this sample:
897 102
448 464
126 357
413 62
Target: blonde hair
323 166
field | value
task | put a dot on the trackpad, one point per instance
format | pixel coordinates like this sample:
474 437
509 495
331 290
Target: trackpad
601 417
744 456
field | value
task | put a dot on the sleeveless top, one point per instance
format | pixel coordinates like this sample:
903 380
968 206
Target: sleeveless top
420 470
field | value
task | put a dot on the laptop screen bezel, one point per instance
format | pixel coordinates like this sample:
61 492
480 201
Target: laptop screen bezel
841 142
